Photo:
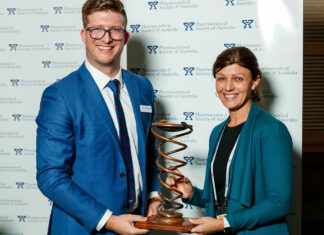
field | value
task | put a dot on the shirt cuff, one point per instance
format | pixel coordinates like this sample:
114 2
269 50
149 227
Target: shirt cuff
153 194
103 220
226 224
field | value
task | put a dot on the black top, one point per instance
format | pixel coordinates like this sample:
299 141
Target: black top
224 150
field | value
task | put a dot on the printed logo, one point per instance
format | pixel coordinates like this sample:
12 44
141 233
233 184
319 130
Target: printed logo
247 23
135 28
153 5
13 47
188 206
59 46
46 63
58 10
135 70
229 45
21 218
189 159
44 27
20 185
14 82
229 2
152 49
155 92
189 70
16 117
188 115
11 11
189 25
18 151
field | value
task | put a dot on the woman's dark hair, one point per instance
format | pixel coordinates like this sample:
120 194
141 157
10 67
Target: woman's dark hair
243 57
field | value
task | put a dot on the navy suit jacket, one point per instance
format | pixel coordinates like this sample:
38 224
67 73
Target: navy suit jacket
260 177
79 160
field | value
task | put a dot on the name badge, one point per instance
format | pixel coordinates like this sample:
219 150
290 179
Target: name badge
146 108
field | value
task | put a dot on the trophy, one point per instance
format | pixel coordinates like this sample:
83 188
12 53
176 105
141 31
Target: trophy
168 218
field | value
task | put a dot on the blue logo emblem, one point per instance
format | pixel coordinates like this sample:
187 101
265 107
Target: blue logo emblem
59 46
18 151
189 25
189 70
20 185
188 115
155 92
11 11
188 206
247 23
58 10
14 82
153 5
229 2
46 63
189 159
13 47
229 45
44 27
21 218
135 70
152 49
16 117
135 28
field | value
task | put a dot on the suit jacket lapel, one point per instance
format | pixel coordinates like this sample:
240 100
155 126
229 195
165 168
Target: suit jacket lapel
93 97
133 91
242 156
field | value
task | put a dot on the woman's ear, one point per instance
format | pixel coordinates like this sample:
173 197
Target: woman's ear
255 82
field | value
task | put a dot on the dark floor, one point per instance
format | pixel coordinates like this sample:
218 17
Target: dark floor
313 193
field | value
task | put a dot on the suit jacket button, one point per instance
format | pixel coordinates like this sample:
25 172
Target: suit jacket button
124 207
122 175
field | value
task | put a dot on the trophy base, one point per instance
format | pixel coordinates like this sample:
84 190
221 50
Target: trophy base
162 223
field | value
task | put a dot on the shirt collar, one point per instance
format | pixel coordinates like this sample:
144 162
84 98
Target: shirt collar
102 79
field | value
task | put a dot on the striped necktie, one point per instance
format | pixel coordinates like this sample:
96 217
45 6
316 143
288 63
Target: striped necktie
124 143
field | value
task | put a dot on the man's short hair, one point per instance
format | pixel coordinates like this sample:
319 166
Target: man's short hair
91 6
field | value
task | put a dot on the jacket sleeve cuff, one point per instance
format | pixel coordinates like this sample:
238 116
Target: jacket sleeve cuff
231 222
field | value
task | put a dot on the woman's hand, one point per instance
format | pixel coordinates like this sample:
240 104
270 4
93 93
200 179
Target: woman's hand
184 185
207 225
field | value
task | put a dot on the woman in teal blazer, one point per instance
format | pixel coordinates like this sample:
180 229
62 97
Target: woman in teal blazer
258 182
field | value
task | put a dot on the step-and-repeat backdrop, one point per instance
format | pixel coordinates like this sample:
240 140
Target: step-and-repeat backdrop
174 43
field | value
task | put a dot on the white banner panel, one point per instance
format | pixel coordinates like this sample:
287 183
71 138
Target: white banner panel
174 43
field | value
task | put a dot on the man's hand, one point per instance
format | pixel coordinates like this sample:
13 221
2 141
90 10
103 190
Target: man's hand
153 207
207 225
124 224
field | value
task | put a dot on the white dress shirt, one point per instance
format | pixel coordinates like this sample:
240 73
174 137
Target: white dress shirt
102 80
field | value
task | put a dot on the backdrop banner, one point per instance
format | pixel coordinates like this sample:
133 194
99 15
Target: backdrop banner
174 43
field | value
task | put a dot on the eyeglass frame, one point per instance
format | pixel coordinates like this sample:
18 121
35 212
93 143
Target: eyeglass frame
106 31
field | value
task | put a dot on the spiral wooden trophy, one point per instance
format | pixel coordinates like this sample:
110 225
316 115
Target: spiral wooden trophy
167 218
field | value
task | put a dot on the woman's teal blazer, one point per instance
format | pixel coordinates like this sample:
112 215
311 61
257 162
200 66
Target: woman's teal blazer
260 177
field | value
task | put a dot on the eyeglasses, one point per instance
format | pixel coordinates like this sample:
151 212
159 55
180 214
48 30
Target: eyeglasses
98 33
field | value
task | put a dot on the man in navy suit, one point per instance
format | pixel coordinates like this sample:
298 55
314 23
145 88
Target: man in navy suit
81 165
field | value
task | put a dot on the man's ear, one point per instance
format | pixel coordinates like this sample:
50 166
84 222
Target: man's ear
83 35
127 35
